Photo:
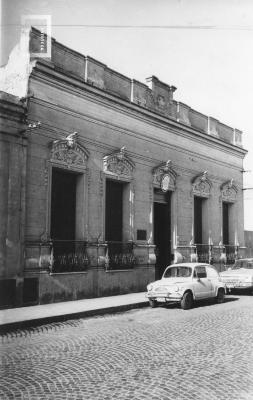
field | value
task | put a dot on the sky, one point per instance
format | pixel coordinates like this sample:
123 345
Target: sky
203 47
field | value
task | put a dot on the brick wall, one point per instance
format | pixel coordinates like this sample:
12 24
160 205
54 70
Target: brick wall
110 112
12 197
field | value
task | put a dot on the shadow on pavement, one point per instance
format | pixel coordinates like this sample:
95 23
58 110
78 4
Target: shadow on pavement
205 303
241 292
199 303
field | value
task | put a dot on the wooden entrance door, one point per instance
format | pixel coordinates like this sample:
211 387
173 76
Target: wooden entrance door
162 231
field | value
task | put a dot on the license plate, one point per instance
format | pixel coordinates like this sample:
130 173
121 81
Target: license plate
230 285
161 299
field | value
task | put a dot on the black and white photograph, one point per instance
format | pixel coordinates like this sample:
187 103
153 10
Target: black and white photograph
126 200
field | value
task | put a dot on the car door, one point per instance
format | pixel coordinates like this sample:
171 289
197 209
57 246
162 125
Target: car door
202 285
213 277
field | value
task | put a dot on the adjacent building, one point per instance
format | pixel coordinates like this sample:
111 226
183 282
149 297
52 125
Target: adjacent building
106 180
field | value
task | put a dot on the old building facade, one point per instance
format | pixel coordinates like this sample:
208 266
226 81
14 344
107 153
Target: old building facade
113 180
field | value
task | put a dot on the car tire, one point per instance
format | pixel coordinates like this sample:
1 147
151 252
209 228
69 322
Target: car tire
220 296
187 301
152 303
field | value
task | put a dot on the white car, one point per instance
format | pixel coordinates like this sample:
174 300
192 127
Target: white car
185 283
240 276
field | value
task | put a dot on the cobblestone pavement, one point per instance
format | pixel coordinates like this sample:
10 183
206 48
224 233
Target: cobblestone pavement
161 353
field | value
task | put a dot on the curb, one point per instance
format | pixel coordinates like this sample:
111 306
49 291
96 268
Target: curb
10 326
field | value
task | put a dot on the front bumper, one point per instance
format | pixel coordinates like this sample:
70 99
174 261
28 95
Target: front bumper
164 296
238 285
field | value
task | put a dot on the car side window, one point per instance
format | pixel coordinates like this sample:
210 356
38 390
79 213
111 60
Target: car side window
201 271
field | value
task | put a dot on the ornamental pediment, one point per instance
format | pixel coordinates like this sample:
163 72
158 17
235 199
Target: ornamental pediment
119 164
201 185
69 153
164 176
228 191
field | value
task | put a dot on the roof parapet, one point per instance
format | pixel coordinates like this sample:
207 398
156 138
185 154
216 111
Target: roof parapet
155 96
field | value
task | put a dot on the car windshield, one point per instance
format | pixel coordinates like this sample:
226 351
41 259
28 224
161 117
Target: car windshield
243 264
178 272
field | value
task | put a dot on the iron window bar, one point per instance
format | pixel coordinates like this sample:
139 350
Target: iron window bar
119 255
69 256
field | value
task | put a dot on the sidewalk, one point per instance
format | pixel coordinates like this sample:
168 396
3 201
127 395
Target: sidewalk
23 317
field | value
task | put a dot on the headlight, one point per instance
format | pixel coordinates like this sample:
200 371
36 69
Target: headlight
180 289
150 287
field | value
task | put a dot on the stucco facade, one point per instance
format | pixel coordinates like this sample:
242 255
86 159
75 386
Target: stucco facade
115 140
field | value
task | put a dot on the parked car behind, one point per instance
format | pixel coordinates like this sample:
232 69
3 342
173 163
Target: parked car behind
240 275
186 283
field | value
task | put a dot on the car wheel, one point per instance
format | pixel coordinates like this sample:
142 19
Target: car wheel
220 296
187 301
152 303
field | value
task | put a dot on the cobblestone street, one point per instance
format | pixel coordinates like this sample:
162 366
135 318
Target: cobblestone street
162 353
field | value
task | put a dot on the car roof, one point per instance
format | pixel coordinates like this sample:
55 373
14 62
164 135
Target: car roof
192 265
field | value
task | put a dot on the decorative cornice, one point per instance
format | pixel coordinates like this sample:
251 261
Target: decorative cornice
125 88
129 108
105 148
12 108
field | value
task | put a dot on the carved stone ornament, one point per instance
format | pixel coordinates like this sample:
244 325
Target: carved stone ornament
165 177
228 191
160 102
69 153
140 100
201 185
119 164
